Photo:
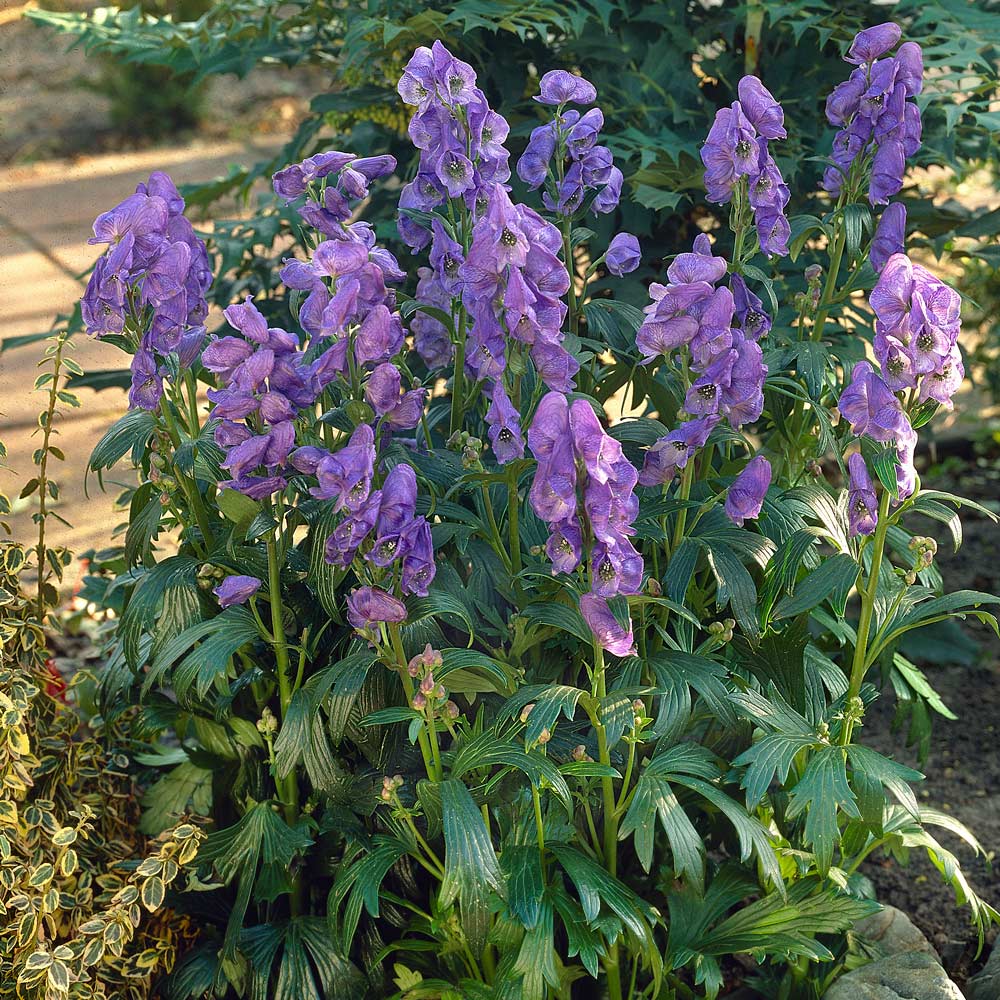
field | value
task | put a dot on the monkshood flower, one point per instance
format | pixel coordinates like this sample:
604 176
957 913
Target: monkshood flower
513 283
564 154
609 632
673 451
890 235
875 111
236 590
736 151
344 175
397 409
862 504
369 607
431 339
746 496
504 424
150 285
694 320
873 410
623 254
459 136
918 319
572 448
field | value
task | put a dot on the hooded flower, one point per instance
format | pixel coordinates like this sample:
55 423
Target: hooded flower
862 504
369 606
890 235
609 632
623 254
236 590
746 495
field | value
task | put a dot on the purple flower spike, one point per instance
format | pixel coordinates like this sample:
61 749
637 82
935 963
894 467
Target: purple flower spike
565 545
761 108
871 43
561 87
623 254
862 504
369 606
746 495
890 235
236 590
504 427
609 632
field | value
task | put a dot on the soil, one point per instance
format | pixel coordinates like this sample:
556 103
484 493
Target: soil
963 767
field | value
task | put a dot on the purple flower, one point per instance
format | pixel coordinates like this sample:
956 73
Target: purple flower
871 43
379 337
862 505
673 451
383 388
419 568
669 323
346 475
369 606
564 546
236 590
746 495
617 568
730 151
609 632
504 427
348 536
762 110
749 311
870 406
146 389
890 235
623 254
560 87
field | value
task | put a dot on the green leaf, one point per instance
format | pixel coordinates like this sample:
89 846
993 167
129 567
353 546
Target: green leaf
835 577
561 617
821 793
471 870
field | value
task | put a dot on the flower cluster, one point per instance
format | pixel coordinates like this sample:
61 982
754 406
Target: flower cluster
715 330
566 153
736 148
573 450
400 538
873 411
265 383
459 136
873 112
150 285
917 321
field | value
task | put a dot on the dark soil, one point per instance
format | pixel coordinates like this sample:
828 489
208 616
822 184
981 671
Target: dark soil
963 767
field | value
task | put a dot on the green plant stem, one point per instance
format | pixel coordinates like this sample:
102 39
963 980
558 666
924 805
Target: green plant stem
839 242
514 531
288 787
491 517
458 381
610 819
567 230
188 486
867 609
192 401
627 780
683 493
408 688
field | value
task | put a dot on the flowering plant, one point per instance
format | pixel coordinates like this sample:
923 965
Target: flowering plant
484 692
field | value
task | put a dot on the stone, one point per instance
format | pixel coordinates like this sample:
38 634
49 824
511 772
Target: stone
985 984
913 976
893 931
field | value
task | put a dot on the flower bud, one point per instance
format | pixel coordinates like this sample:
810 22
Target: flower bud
813 273
543 737
910 577
419 702
653 588
359 412
451 710
440 693
579 752
427 684
267 724
526 711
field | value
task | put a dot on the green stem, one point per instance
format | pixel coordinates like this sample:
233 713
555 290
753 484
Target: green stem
839 242
867 609
683 493
458 381
567 229
610 819
491 517
288 787
192 401
188 486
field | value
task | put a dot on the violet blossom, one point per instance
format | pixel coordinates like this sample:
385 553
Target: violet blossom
746 495
623 254
862 504
236 590
368 607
